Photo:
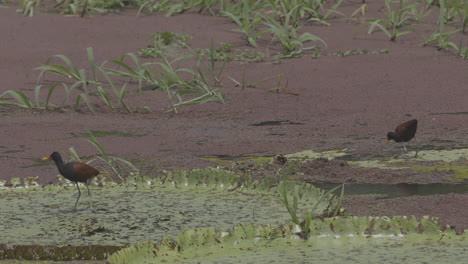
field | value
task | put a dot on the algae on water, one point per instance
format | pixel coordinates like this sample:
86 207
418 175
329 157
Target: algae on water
426 160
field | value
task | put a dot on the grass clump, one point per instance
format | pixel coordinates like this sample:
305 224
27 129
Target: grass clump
448 11
395 19
290 194
247 18
165 44
286 31
99 84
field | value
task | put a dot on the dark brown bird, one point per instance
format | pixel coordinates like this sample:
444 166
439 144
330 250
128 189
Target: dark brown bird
404 132
280 159
75 172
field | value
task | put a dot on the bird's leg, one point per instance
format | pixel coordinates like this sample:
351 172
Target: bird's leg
404 146
417 148
79 195
90 198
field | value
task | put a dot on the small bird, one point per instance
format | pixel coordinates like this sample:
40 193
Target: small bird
404 132
75 172
280 159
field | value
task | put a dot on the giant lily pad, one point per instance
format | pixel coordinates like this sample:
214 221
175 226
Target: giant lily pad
333 240
137 210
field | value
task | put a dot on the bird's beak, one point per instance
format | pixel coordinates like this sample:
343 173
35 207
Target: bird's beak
46 158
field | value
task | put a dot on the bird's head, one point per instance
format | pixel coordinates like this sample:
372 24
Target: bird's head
390 136
54 156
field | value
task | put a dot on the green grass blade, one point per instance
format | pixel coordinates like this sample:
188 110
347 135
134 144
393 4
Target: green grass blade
84 80
92 64
123 91
340 201
39 77
85 99
37 93
49 94
59 70
71 67
21 98
131 72
93 140
323 197
73 154
104 96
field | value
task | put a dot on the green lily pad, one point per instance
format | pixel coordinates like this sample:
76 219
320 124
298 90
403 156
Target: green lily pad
334 240
138 211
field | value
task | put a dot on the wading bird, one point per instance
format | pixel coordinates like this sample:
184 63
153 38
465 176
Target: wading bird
75 172
404 132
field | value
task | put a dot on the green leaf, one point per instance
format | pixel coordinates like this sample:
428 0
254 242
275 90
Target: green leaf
21 98
85 99
49 94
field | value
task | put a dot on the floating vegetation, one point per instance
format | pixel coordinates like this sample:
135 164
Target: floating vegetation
302 155
165 44
426 160
352 52
225 52
169 44
59 253
139 210
310 154
362 239
238 158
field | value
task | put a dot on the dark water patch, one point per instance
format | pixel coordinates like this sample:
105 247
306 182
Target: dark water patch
97 133
359 157
450 113
361 123
276 134
386 191
253 157
13 151
150 87
276 123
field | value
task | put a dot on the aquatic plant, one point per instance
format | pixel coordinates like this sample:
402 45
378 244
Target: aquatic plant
359 238
165 76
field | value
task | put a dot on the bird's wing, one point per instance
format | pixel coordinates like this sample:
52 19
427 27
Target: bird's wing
407 129
84 171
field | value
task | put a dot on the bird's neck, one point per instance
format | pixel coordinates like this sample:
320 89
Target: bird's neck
59 163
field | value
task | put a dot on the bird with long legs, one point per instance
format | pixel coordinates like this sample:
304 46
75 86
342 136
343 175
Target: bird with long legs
74 171
404 132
